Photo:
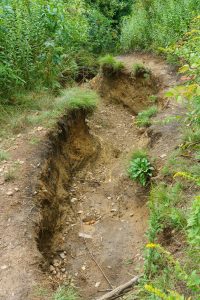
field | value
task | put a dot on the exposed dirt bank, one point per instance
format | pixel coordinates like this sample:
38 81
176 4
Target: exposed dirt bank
82 209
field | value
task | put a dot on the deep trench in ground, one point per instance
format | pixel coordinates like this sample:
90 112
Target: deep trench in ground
92 215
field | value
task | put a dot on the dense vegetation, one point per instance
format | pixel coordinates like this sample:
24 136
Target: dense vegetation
46 43
157 23
174 200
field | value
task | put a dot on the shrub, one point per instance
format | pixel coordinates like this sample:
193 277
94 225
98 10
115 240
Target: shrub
143 118
110 65
140 169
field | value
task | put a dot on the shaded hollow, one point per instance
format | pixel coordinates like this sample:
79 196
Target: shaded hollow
68 149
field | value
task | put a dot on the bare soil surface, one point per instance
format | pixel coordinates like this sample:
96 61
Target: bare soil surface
71 214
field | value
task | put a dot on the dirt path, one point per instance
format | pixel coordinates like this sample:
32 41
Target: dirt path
104 204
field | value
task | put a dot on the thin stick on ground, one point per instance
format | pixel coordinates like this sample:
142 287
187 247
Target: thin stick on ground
120 290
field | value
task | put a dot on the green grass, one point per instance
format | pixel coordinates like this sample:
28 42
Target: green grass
110 65
139 70
10 175
4 155
79 99
65 293
43 109
143 119
164 211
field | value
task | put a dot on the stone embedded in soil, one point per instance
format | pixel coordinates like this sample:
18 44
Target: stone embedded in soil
51 268
10 193
84 235
62 255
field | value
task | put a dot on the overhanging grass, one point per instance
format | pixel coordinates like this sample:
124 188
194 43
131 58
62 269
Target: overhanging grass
110 65
43 109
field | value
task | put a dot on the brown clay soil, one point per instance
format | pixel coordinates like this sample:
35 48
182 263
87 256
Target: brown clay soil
72 215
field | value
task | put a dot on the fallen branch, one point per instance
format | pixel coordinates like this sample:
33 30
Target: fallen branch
120 290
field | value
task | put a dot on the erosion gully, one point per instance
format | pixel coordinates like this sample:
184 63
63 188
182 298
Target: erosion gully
93 217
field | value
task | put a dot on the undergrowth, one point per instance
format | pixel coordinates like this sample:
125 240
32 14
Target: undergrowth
156 23
172 259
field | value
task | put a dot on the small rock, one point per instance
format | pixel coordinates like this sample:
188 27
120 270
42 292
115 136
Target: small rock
56 263
97 284
131 215
84 235
63 270
163 155
62 255
9 193
4 267
83 268
17 189
80 212
51 268
73 200
113 210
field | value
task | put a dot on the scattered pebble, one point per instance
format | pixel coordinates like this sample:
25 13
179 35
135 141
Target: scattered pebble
85 235
62 255
10 193
97 284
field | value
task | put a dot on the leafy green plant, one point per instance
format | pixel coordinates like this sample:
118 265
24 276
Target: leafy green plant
143 118
110 65
65 293
140 169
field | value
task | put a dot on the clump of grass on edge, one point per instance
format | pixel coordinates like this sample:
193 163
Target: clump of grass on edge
110 65
3 155
65 293
139 70
143 118
78 98
140 168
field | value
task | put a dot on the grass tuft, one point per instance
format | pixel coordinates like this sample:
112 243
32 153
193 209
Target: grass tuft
110 65
4 155
139 70
65 293
77 98
143 118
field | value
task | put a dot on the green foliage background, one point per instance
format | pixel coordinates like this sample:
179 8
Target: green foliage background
48 42
157 23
